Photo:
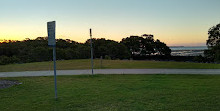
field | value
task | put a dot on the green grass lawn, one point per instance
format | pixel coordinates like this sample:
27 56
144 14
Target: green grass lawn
107 64
114 92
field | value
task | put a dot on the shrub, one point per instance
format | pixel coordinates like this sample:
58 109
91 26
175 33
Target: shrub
107 57
4 60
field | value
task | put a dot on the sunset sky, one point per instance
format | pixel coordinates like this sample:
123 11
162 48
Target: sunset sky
175 22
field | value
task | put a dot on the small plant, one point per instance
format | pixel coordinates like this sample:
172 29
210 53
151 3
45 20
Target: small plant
107 57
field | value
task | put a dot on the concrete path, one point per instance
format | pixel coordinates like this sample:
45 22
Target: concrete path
111 71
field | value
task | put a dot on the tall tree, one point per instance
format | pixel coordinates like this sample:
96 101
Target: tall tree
213 42
145 45
214 36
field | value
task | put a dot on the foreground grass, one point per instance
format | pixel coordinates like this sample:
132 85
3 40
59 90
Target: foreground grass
106 64
114 92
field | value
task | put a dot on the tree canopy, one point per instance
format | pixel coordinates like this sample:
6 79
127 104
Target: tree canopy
145 45
214 36
213 42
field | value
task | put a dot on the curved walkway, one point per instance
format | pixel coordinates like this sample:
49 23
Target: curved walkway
111 71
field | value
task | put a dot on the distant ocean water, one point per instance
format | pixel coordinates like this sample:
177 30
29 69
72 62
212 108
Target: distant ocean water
187 50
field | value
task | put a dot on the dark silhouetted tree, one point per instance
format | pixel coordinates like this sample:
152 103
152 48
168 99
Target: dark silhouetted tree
213 43
145 45
162 48
214 36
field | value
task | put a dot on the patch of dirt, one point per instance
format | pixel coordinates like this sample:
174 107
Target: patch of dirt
8 83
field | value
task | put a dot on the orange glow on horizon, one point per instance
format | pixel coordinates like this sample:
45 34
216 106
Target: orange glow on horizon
168 41
172 37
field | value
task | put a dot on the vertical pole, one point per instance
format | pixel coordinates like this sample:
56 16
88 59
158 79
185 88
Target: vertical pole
91 50
54 65
101 62
51 30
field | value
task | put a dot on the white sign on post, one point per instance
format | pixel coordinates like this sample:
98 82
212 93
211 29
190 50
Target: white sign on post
52 42
51 33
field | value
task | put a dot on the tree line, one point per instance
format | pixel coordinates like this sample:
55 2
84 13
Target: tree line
37 50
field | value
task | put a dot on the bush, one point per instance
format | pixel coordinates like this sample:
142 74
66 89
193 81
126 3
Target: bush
14 59
199 59
107 57
8 60
4 60
217 56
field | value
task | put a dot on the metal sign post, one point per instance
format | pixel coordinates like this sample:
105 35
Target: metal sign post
52 43
91 50
101 62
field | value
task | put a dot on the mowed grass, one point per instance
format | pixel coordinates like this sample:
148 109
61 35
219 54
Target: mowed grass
106 64
114 93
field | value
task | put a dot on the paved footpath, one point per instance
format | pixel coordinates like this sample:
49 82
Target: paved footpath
110 71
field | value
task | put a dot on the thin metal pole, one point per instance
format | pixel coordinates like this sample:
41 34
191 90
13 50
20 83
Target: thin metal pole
55 74
101 61
91 50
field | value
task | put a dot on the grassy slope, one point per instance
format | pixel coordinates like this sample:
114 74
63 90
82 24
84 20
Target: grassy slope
108 64
115 92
